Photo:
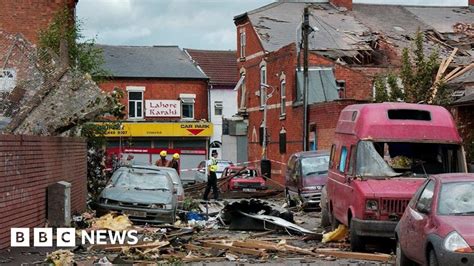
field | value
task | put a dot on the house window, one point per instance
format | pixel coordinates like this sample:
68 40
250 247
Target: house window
7 79
135 103
242 44
218 108
187 106
283 98
263 89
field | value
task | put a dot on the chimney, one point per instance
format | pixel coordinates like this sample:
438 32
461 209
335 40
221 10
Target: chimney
346 3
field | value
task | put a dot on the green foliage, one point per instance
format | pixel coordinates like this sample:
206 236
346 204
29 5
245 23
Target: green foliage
84 56
381 94
417 74
396 92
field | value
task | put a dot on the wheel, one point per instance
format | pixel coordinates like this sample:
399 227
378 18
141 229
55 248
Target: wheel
323 204
433 260
401 260
357 242
289 201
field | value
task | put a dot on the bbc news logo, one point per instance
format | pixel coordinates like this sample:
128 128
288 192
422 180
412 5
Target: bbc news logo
66 237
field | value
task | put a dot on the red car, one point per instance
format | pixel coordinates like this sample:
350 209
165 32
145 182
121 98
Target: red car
437 227
244 178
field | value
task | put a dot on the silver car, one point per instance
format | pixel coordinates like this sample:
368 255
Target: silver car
145 194
176 182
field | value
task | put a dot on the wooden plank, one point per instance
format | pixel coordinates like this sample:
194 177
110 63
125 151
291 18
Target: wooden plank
235 249
257 245
197 248
156 244
355 255
438 74
198 259
450 74
469 67
449 60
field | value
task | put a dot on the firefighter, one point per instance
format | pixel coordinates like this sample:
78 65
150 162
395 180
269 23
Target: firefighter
174 163
162 161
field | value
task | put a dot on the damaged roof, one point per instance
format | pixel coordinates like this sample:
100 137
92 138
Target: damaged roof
278 24
149 62
219 66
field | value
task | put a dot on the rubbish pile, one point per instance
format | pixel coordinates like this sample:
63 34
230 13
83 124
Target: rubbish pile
208 233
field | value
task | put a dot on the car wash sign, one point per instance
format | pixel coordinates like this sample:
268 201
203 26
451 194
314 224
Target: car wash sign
162 108
162 129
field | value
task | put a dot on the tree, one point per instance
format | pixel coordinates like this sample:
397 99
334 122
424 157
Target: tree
381 94
84 56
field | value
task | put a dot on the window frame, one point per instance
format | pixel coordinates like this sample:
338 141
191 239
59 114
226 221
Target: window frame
136 89
343 163
430 203
263 80
283 98
218 105
332 156
243 44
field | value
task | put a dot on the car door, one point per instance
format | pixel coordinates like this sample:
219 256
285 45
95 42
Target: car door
417 223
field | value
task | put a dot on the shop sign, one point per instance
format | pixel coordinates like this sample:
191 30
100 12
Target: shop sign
162 108
149 129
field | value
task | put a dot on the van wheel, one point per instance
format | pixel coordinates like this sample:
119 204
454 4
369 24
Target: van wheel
325 219
291 202
357 242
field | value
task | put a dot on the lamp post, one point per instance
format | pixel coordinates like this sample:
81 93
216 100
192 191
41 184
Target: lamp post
267 96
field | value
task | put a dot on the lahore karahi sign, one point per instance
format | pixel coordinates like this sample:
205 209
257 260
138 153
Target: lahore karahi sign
162 108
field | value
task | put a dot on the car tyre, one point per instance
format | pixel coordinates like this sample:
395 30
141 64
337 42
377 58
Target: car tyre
357 242
433 260
401 260
325 218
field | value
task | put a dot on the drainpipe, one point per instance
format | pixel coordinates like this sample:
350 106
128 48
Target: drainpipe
305 77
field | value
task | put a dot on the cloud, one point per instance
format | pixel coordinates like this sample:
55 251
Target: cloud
203 24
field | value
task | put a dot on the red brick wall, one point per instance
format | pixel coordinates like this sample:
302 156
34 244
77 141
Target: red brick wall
464 116
342 3
29 16
252 43
358 85
165 89
28 164
324 116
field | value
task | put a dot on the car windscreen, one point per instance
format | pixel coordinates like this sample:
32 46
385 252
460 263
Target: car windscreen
317 165
244 173
456 198
142 180
389 159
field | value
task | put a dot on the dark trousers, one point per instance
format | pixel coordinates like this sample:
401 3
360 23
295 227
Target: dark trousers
211 183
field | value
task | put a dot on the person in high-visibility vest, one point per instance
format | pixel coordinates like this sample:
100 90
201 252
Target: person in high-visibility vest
162 161
212 177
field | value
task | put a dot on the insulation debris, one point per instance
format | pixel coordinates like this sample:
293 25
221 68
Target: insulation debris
336 235
108 221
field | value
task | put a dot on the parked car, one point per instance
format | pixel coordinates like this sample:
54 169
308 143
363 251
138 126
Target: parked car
202 171
380 156
145 194
176 183
306 176
247 179
437 227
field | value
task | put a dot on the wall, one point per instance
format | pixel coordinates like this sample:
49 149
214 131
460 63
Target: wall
228 97
28 17
165 89
28 164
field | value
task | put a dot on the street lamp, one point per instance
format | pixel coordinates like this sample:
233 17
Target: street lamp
267 96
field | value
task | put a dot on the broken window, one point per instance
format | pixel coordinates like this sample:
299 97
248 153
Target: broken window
456 198
7 80
135 104
317 165
388 159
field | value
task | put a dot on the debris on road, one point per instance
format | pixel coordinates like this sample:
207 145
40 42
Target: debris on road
338 234
60 257
108 221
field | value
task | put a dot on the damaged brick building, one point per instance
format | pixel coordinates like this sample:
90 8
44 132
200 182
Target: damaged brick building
349 45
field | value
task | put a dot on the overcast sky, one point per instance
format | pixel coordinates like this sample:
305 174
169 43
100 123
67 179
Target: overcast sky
201 24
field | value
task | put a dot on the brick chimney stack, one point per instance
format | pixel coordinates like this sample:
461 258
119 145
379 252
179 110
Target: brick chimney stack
348 3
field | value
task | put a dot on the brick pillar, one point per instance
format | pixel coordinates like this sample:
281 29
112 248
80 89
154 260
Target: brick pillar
345 3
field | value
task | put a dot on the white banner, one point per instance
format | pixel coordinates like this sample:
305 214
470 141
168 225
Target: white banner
162 108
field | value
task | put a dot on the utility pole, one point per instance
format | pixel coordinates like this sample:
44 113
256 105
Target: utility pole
306 29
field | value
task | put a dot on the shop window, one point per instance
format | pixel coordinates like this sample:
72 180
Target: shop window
135 104
218 108
283 98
